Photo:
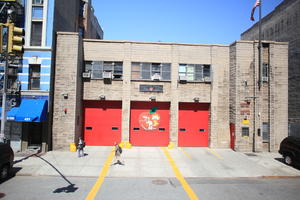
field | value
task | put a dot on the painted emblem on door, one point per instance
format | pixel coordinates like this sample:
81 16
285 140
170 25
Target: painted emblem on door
149 121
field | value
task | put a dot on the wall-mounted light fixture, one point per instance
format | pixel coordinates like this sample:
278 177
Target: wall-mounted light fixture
65 95
102 97
196 99
153 98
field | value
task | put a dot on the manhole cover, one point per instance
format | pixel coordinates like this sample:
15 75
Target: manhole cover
250 154
159 182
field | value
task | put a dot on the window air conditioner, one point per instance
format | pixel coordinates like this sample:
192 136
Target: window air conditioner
86 75
182 79
265 79
156 77
107 75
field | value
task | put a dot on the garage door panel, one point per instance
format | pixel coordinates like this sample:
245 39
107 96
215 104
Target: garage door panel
193 124
149 123
104 121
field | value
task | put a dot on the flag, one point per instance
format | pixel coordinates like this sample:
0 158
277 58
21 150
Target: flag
257 3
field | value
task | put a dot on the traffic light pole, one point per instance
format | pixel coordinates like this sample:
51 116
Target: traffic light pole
3 112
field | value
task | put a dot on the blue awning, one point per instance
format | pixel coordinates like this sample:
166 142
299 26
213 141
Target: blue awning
30 110
10 115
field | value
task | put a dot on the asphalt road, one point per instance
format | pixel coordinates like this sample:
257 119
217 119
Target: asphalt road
66 188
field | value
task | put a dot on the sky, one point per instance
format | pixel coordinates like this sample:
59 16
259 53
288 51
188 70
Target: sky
180 21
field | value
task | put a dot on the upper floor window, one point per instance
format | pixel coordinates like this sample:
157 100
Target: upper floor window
34 77
195 72
98 68
150 71
36 22
265 72
37 2
36 33
37 12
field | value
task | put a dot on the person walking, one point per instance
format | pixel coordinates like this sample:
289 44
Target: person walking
80 146
118 152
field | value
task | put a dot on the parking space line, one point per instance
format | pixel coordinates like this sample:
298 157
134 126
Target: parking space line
179 176
215 153
101 177
185 153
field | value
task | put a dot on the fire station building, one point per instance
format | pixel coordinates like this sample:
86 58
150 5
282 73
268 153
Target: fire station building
160 94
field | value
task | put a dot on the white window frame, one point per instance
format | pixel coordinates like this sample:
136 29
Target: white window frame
152 71
186 73
29 20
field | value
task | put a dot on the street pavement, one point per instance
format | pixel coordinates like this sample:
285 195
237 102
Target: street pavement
152 173
153 162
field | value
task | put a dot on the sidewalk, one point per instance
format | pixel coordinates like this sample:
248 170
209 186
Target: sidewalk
152 162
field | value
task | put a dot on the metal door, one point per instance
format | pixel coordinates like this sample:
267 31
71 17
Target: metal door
102 122
193 125
149 123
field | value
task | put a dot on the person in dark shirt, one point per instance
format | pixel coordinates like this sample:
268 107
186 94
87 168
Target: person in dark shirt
80 146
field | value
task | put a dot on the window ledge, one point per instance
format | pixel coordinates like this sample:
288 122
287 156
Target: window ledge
140 80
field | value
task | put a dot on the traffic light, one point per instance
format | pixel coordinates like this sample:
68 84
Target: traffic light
15 39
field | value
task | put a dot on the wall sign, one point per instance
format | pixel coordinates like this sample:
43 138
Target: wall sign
151 88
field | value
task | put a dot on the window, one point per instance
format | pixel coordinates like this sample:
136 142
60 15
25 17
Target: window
36 22
36 34
195 72
245 131
150 71
265 132
34 77
37 2
37 12
98 67
265 72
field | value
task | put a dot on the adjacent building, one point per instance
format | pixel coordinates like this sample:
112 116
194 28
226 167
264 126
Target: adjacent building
42 19
283 24
161 94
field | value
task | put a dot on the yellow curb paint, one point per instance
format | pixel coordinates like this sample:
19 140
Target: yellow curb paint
178 175
185 153
171 145
101 177
214 153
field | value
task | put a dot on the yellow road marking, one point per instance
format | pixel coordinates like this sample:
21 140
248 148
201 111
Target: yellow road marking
178 175
185 153
214 153
101 177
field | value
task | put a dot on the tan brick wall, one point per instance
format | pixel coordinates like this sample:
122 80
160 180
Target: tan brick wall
67 125
271 99
283 25
173 92
231 67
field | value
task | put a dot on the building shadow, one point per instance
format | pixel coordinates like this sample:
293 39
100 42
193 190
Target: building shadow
69 188
25 158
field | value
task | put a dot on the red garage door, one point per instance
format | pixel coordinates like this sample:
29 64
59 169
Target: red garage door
149 123
102 122
193 125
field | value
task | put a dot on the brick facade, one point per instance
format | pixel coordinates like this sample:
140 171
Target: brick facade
283 25
215 92
265 105
67 103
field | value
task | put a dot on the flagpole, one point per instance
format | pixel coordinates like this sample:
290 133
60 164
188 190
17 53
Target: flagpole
259 47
